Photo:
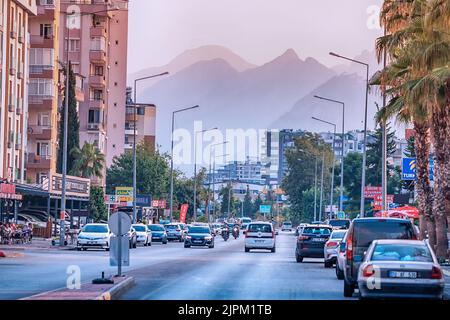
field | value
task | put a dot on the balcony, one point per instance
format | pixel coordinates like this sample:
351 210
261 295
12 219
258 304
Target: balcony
40 132
20 71
128 146
98 104
12 67
35 161
97 81
41 71
98 31
21 37
46 9
13 33
40 102
42 42
97 56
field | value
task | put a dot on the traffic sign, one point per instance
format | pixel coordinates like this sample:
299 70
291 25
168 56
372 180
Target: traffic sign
341 215
119 258
265 208
119 223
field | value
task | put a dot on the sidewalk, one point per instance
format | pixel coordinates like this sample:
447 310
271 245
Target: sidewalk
36 244
88 291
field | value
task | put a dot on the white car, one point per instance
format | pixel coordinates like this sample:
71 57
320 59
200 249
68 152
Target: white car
340 259
260 235
94 235
143 234
287 225
331 249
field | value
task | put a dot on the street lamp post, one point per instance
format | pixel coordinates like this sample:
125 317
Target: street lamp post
62 222
341 200
171 157
195 169
315 192
334 160
363 175
214 180
321 186
134 138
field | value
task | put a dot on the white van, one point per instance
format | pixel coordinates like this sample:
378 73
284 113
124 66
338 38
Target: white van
260 235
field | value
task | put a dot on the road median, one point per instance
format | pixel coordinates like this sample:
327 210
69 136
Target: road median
88 291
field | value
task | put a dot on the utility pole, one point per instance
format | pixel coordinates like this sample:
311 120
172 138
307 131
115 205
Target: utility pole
315 193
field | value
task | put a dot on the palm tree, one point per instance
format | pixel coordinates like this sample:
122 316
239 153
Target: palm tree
418 46
89 161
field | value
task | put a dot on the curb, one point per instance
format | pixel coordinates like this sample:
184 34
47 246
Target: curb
117 290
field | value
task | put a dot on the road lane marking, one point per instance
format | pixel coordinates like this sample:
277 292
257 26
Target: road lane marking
447 273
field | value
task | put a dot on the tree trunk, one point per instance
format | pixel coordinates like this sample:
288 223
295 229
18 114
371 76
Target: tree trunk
440 121
424 192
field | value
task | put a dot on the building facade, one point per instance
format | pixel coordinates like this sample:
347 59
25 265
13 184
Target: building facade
145 123
43 118
94 39
14 49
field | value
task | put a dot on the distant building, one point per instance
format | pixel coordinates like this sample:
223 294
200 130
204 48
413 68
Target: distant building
243 172
145 123
270 156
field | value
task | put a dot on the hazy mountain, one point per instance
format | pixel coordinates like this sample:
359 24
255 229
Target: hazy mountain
349 88
190 57
231 99
350 67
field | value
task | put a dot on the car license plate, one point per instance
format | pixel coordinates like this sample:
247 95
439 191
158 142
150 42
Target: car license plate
318 239
197 241
402 274
92 242
259 241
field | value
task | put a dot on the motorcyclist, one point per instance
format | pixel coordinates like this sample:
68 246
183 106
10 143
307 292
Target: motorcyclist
236 231
225 230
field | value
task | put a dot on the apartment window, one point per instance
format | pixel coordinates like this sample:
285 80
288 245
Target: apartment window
41 56
98 70
96 94
74 45
44 120
94 116
46 30
43 149
98 44
41 87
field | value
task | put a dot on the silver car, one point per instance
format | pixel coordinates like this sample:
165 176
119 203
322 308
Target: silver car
400 269
331 249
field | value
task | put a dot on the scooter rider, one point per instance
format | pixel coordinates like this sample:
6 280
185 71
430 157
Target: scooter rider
236 231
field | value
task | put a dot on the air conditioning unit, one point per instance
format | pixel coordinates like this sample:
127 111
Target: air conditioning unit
93 126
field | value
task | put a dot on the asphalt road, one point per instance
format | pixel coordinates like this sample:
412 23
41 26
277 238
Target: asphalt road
227 272
173 272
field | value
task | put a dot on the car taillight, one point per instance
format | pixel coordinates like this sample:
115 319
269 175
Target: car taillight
301 238
178 230
436 273
332 244
349 247
368 271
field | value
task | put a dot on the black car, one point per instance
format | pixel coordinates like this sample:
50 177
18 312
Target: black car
199 236
359 237
159 233
311 242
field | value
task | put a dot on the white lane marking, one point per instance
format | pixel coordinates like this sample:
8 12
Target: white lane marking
447 273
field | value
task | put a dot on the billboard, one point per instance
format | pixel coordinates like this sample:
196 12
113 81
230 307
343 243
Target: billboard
265 208
409 169
124 194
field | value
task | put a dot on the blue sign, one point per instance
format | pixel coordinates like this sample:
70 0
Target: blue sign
143 200
409 169
265 208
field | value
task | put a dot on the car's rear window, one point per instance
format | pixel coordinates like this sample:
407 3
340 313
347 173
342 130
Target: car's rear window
198 229
401 252
338 235
171 226
139 228
317 231
365 232
156 228
340 223
287 223
259 228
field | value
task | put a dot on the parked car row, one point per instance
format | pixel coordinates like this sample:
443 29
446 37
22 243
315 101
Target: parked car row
381 257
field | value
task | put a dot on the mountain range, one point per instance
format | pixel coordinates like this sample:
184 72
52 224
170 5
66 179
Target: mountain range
233 93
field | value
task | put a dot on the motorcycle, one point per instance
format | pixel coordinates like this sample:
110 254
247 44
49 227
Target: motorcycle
236 232
225 235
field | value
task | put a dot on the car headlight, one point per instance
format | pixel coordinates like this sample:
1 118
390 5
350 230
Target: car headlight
208 238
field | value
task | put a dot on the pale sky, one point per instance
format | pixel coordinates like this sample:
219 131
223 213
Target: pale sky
257 30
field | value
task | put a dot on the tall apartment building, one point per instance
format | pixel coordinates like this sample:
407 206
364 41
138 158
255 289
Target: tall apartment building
96 40
43 117
145 123
14 46
270 156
